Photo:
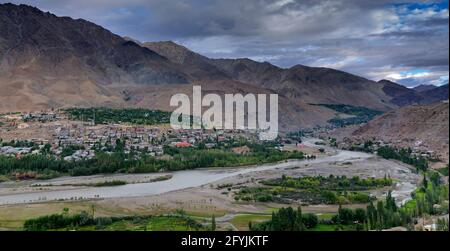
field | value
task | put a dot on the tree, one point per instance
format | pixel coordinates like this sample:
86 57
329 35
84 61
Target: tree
213 223
309 221
380 215
360 215
425 181
300 223
390 202
93 211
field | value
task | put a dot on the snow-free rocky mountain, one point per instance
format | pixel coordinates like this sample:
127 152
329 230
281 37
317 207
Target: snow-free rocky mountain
55 62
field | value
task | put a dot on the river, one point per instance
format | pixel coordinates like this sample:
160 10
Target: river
181 180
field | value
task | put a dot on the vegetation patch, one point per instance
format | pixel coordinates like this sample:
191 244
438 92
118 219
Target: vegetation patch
108 115
287 219
110 183
85 222
120 162
404 155
241 222
443 171
335 183
313 190
430 199
360 114
162 178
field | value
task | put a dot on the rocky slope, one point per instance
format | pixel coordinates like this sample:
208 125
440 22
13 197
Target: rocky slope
425 94
308 84
414 125
435 94
51 62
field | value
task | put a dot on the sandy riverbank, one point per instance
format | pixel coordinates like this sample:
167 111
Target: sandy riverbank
207 198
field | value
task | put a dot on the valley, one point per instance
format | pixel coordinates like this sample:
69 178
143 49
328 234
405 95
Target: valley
203 192
86 141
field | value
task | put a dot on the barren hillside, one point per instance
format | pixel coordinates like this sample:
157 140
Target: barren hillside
414 125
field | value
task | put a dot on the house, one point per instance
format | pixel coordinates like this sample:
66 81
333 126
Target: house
241 150
183 144
210 145
23 126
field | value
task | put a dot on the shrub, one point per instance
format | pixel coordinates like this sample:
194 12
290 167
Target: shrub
310 220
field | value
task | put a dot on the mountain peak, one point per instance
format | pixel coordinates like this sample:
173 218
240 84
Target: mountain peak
385 81
171 50
11 6
52 45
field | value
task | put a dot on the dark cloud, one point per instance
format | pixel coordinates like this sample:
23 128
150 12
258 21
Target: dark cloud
376 39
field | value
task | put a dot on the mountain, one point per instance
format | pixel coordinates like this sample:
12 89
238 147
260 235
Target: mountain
54 62
416 124
425 94
421 88
49 61
197 65
57 44
308 84
435 94
400 95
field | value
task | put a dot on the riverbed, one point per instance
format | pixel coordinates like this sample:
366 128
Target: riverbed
182 180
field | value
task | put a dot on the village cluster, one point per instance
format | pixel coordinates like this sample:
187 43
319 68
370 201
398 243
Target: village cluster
52 129
85 138
419 149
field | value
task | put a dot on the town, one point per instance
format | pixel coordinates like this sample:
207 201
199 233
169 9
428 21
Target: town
88 137
72 139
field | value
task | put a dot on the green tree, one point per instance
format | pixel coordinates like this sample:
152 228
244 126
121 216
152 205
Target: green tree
213 223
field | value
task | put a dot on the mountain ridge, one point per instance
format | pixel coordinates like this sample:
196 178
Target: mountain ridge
48 61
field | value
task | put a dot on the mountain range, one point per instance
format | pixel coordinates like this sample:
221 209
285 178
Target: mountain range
48 61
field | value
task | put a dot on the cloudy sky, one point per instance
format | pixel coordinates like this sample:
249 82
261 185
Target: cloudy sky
405 41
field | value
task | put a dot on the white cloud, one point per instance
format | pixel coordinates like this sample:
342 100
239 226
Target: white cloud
400 76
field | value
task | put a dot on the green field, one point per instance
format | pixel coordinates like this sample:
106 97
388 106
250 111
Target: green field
241 221
85 222
159 223
330 228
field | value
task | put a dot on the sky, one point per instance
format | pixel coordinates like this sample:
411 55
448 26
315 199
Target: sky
404 41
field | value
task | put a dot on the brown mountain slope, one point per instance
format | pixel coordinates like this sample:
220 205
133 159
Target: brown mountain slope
428 124
425 94
292 115
50 62
37 43
198 66
400 95
308 84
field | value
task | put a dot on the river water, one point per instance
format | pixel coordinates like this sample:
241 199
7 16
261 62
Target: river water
180 180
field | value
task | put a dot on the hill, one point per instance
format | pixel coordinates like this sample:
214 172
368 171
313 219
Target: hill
48 61
415 125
